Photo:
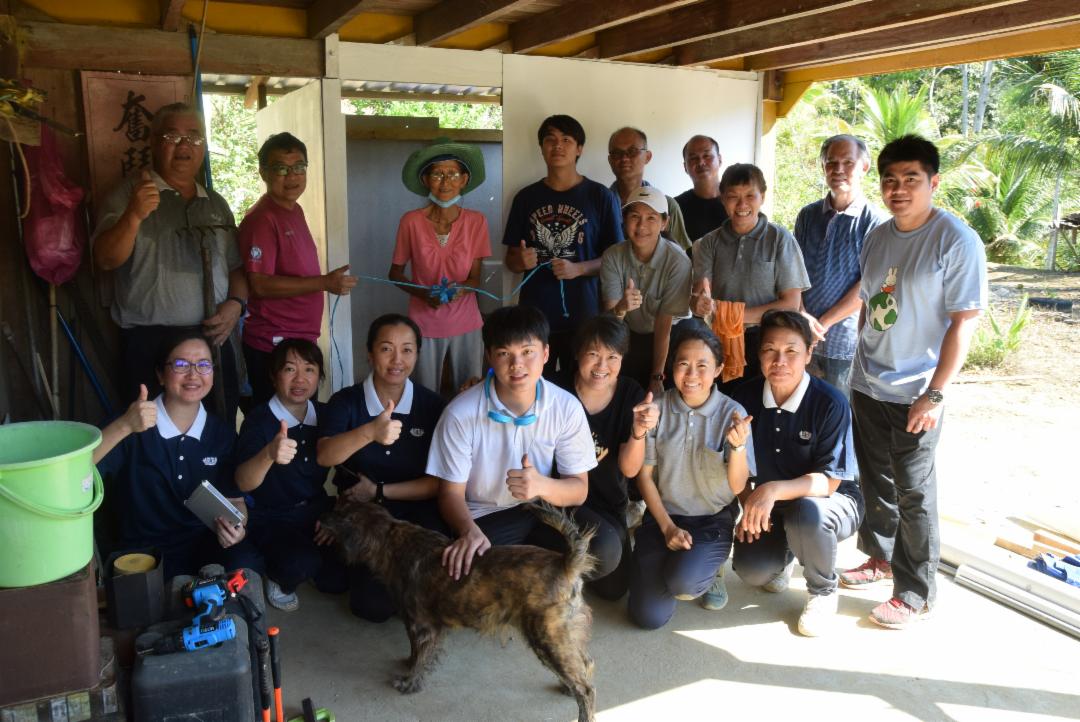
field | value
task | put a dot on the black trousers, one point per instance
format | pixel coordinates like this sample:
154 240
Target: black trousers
258 372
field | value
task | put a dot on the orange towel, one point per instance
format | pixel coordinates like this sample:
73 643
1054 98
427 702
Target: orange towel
727 324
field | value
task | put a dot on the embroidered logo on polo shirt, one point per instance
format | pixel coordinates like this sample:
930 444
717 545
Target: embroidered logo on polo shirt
256 253
209 461
289 233
416 431
804 435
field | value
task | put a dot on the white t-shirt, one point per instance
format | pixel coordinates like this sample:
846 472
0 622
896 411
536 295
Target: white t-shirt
470 448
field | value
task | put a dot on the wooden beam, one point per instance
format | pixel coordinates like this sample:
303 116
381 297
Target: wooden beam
171 14
706 20
938 33
828 26
88 47
576 19
325 17
255 94
451 17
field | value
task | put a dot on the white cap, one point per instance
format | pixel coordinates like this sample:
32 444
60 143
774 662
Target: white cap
652 197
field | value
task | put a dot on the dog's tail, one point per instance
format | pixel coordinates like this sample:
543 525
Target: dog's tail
579 561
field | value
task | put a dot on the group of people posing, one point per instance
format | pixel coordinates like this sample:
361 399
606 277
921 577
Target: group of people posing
765 395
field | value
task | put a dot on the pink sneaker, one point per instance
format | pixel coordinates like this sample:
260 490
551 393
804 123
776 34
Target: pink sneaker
870 572
895 614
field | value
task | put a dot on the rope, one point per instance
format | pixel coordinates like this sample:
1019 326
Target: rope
25 167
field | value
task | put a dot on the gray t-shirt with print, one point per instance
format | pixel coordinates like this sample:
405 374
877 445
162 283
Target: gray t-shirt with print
664 282
911 282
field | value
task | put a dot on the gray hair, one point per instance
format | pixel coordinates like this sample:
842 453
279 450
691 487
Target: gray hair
171 110
640 133
864 152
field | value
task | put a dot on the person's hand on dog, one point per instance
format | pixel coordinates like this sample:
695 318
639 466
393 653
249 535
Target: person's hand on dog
524 483
385 429
281 448
363 490
458 557
677 538
323 536
646 416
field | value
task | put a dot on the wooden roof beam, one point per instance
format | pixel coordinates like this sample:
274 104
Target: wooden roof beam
708 19
828 26
451 17
325 17
575 19
940 33
171 14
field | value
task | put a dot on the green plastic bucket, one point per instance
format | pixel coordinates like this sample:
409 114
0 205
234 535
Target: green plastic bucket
49 490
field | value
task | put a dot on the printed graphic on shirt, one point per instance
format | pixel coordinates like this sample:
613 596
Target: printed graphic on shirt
601 450
256 253
209 461
882 306
555 228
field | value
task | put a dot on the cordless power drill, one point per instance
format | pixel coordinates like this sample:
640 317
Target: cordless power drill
207 596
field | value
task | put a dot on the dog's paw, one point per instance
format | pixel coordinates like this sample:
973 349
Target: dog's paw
407 684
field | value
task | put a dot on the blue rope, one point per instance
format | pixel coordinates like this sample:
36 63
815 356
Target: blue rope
334 350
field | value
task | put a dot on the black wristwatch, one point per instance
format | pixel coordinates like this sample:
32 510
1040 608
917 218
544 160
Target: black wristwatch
378 493
242 302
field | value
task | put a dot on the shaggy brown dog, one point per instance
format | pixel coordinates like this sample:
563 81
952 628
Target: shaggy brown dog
536 590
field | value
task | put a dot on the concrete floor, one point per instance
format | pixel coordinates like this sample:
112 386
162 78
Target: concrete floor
975 660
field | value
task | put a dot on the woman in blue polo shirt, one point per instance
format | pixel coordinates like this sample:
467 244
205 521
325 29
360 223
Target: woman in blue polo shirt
279 470
158 452
803 500
377 434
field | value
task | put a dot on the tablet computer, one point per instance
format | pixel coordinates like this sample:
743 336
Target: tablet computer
208 504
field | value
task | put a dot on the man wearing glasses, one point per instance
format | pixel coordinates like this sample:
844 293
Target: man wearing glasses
151 232
628 154
282 263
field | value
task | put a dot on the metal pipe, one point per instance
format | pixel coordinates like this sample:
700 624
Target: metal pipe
54 345
1013 596
85 363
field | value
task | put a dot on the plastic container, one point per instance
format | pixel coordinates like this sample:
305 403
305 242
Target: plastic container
49 490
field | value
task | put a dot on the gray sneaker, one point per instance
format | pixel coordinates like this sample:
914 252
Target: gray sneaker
780 582
278 599
717 597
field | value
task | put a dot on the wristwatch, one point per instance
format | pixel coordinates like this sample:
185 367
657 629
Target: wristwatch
658 377
378 493
242 302
935 396
740 447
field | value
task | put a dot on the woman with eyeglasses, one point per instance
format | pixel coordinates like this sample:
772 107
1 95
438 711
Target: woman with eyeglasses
443 243
156 454
282 263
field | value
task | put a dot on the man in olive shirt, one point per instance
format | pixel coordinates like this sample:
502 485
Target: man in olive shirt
628 154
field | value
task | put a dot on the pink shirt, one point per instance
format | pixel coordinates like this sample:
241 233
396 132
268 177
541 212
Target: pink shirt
276 242
418 246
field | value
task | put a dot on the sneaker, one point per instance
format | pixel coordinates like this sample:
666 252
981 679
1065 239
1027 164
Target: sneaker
895 614
872 571
818 615
716 598
635 512
780 582
278 599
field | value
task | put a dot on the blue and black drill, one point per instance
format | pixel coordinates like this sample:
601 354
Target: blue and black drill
208 627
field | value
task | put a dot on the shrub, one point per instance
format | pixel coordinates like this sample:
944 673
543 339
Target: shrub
992 345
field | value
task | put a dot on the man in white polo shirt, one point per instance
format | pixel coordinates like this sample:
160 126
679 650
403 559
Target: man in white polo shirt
498 444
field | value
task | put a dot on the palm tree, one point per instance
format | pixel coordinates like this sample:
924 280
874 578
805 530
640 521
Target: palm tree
890 114
1010 212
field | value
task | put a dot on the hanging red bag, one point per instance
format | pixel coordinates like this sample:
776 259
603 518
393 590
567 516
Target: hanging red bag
53 231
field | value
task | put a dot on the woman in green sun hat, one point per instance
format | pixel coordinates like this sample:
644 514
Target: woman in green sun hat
443 240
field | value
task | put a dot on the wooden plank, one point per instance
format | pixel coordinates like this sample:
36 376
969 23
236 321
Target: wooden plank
575 19
1016 547
451 17
994 21
255 94
325 17
1057 541
701 21
50 45
827 26
171 14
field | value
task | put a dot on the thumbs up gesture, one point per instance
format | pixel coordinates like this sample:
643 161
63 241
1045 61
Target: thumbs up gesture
701 300
524 483
646 416
281 448
144 197
528 257
142 414
385 430
631 299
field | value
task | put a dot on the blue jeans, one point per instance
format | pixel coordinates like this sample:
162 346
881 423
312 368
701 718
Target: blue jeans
834 371
660 574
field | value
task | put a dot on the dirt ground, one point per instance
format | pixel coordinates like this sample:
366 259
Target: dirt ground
1010 432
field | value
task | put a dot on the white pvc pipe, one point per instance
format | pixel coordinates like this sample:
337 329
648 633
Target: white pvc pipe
1017 598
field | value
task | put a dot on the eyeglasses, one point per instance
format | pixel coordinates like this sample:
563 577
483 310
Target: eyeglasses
181 367
298 168
630 152
438 176
176 139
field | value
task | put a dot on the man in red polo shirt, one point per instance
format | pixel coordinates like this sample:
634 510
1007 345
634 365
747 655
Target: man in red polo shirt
282 263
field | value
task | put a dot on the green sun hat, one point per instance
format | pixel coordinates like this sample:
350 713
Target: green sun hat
443 149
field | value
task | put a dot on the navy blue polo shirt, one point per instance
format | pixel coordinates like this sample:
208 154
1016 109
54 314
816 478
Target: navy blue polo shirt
152 473
405 459
289 485
802 436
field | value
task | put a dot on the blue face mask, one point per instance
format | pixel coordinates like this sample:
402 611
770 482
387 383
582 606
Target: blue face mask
444 204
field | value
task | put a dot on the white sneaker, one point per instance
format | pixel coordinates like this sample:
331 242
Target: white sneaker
818 615
780 582
278 599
